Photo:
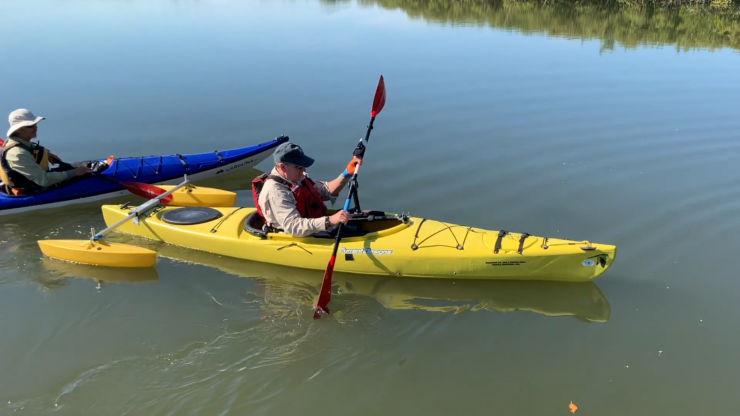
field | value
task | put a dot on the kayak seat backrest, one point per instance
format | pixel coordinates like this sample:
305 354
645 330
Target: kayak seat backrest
254 224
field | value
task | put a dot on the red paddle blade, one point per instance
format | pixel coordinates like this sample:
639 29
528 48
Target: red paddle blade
147 191
1 142
379 100
322 305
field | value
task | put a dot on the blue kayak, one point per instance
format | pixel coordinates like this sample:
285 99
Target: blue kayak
156 170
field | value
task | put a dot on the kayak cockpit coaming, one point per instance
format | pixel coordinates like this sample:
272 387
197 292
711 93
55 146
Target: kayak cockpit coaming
367 225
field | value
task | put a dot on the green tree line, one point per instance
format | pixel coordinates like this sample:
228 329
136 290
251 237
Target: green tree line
687 24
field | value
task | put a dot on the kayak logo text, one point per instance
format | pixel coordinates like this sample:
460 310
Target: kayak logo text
236 166
345 250
506 263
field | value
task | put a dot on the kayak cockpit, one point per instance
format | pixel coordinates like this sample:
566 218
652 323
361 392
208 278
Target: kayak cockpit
362 224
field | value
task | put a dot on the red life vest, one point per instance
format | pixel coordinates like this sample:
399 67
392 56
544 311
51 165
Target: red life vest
308 200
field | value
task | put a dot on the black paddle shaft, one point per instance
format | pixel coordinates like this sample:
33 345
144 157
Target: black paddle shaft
359 151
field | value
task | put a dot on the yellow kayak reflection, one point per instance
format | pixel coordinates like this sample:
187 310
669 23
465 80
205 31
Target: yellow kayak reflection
62 270
580 300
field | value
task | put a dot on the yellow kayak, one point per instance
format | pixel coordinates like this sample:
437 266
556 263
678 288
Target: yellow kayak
375 243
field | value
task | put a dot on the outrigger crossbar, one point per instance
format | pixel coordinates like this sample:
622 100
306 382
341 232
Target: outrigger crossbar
141 208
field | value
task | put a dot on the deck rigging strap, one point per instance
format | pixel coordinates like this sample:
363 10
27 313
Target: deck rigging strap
521 242
182 160
501 235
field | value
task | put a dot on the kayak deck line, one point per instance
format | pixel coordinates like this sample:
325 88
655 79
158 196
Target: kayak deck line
119 162
459 246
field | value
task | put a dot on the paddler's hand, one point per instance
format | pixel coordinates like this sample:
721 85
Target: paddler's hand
82 170
54 159
353 165
339 216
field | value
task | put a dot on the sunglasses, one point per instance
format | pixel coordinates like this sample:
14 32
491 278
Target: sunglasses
295 166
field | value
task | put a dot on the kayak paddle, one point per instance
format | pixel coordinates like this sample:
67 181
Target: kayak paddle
143 190
325 291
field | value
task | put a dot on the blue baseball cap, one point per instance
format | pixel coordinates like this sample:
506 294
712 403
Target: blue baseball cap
293 154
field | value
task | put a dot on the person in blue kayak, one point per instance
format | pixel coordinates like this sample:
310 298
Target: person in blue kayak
290 201
24 166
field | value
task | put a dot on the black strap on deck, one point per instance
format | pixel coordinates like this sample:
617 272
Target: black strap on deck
182 160
521 242
501 235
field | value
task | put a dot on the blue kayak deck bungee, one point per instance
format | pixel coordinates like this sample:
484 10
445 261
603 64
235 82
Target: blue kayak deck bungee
146 169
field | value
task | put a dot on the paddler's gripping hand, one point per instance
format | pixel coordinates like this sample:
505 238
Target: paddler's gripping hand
351 166
357 156
339 216
82 170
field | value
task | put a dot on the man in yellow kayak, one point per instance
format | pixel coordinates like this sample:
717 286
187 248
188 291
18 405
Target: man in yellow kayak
293 203
24 166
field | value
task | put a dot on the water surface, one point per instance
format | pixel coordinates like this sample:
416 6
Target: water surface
612 127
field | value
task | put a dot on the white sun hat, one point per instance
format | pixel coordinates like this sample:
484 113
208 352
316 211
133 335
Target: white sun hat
21 118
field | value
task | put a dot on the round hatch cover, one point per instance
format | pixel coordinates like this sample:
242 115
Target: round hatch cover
190 215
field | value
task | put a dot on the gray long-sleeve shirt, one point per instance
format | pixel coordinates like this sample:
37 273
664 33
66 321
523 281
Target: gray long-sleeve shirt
20 159
279 207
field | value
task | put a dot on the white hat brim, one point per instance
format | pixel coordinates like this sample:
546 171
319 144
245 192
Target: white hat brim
22 124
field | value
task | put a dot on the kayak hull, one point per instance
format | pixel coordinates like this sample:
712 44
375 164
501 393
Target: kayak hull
405 246
155 170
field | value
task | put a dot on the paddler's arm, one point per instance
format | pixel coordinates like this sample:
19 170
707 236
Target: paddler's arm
22 162
335 187
279 208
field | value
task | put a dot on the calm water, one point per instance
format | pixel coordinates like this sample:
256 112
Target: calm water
613 128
